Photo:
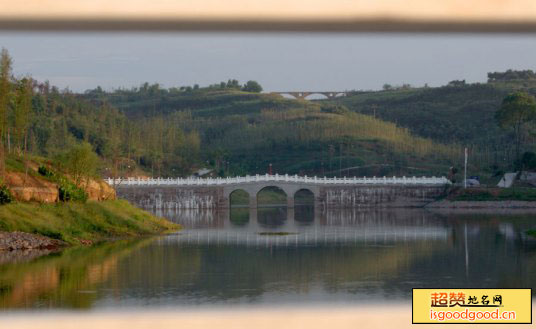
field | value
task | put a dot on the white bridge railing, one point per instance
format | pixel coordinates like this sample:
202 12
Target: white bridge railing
281 178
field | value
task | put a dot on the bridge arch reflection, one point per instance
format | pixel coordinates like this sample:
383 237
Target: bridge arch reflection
279 225
239 216
304 197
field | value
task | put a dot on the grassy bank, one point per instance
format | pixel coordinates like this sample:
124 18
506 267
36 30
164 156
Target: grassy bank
76 223
494 194
532 233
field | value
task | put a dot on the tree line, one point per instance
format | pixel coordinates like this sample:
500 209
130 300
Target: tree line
235 130
156 89
518 114
39 119
15 108
511 75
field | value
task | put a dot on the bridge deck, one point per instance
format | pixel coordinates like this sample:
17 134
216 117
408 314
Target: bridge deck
282 178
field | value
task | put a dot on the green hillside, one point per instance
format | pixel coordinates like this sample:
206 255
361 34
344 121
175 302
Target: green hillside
457 113
242 133
203 102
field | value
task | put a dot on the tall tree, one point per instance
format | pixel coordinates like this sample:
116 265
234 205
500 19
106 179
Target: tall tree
516 112
252 86
5 95
21 115
80 162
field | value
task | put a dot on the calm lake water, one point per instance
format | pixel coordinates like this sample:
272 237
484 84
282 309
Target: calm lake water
273 256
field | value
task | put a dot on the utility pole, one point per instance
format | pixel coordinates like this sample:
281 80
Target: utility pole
340 160
374 107
465 170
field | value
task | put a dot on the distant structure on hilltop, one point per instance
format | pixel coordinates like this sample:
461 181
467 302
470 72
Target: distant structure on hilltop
304 94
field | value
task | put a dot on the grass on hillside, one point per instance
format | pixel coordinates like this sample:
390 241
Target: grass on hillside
532 233
315 142
17 163
447 114
75 222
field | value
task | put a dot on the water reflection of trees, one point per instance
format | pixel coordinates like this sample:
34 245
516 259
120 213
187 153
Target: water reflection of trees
64 279
304 215
492 249
497 254
194 218
481 251
229 272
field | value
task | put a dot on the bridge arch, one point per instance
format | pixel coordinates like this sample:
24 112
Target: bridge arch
292 95
239 197
316 96
304 197
304 94
253 188
272 195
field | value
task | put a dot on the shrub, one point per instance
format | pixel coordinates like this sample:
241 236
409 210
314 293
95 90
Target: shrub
80 162
252 86
50 234
67 190
474 195
528 161
5 195
44 171
336 109
70 192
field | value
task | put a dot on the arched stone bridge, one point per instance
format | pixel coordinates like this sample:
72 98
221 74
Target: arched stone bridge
191 193
304 94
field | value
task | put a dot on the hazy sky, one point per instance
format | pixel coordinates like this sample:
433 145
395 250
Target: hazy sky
278 61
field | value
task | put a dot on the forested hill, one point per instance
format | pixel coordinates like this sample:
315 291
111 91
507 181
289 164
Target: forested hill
456 113
243 132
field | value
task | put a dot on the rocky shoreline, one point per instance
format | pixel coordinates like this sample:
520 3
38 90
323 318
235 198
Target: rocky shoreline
26 241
